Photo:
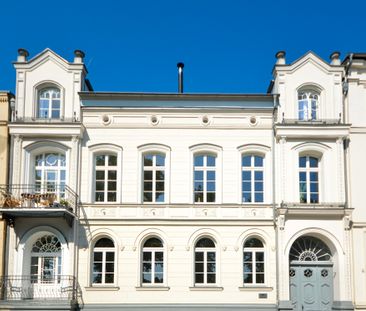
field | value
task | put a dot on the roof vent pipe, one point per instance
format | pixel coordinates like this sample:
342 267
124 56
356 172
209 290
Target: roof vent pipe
180 77
22 55
334 58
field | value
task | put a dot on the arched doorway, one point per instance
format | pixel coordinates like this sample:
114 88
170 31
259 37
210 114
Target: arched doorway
311 275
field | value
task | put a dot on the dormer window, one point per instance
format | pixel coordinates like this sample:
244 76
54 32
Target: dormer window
49 103
308 104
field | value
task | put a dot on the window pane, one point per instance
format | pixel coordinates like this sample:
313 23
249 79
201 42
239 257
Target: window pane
109 267
211 256
112 185
314 198
247 255
313 187
211 186
110 256
146 256
98 256
259 267
198 175
112 175
147 197
259 256
253 242
159 197
153 242
211 197
148 160
211 175
147 175
109 278
199 267
259 278
258 186
159 175
159 186
104 242
313 162
313 176
99 185
205 242
112 160
248 267
160 160
97 278
99 196
258 196
56 104
302 176
112 197
159 278
302 162
247 186
211 160
199 256
258 175
148 186
146 278
55 114
97 267
258 161
146 267
198 160
246 175
159 256
159 268
198 197
247 197
100 160
211 267
211 278
199 278
246 161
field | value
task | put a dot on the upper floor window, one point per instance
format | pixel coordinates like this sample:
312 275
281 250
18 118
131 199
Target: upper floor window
50 173
253 270
154 178
103 262
153 262
252 179
205 262
308 103
105 178
49 103
309 179
204 178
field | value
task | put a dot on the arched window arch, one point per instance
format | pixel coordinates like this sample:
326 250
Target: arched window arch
309 171
104 262
49 103
153 268
309 248
253 262
308 105
205 262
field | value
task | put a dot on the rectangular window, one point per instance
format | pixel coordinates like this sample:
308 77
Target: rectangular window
154 178
252 179
204 178
309 179
105 178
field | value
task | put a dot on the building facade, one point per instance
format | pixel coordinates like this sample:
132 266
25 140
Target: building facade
132 201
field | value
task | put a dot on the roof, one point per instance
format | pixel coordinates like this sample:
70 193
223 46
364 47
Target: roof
176 100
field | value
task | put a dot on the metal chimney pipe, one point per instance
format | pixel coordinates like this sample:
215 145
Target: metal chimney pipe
180 77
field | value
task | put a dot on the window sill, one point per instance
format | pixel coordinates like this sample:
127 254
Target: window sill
256 288
152 288
102 288
206 288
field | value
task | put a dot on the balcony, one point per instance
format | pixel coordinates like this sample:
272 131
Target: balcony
311 122
44 120
61 292
37 200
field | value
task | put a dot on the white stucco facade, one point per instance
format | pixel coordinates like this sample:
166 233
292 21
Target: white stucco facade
169 184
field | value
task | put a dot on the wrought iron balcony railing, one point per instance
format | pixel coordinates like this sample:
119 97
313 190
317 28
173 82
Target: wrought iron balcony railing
39 196
44 120
311 122
20 287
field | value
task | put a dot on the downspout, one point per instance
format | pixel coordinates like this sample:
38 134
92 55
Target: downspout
275 106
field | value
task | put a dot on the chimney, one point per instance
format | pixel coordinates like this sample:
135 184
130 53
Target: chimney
281 60
180 77
79 56
22 55
334 58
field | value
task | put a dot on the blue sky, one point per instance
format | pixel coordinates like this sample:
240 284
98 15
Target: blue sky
134 46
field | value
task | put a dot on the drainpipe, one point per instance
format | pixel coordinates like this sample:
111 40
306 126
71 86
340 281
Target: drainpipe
276 104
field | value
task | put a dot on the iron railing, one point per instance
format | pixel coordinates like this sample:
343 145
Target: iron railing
19 287
311 122
325 205
39 196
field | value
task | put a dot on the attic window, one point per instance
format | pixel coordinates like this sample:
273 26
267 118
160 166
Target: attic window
308 105
49 103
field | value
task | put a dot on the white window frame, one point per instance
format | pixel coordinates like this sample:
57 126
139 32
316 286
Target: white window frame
154 149
104 251
252 169
100 149
307 170
106 168
204 169
308 94
153 168
152 251
208 149
205 250
253 251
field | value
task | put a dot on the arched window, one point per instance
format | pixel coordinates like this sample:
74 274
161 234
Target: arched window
204 178
46 263
154 178
309 179
253 255
308 248
308 104
152 262
103 262
205 262
105 178
252 179
49 103
50 173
